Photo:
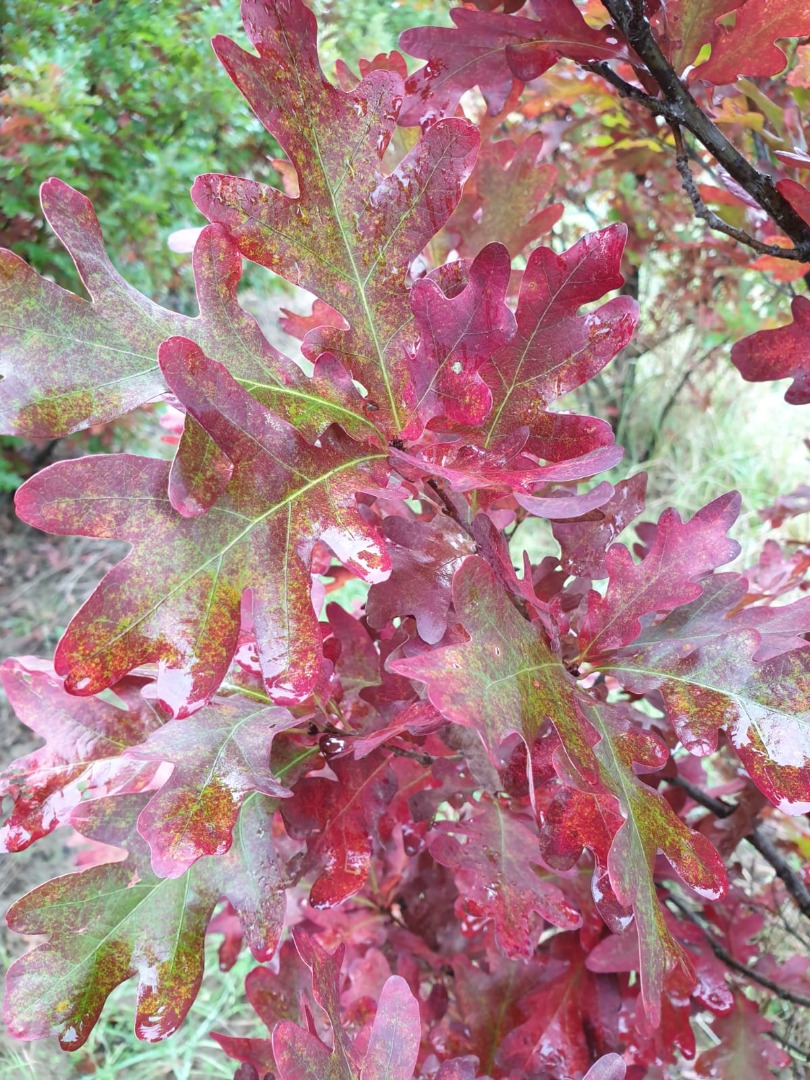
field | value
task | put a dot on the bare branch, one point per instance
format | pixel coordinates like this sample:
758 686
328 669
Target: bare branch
709 216
736 965
678 106
757 839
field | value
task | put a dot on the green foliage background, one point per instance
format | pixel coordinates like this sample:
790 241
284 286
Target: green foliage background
124 100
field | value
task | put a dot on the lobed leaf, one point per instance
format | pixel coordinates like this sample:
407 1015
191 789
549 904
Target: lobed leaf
779 354
749 47
505 679
499 878
67 364
667 577
424 558
457 335
555 350
340 821
712 686
175 599
502 201
219 756
351 234
490 50
112 922
393 1042
82 753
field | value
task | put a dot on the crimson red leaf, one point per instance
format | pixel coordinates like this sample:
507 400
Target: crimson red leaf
667 577
114 921
340 822
351 234
503 464
220 755
499 879
503 199
472 53
393 1042
84 741
555 350
489 50
424 557
176 598
563 504
749 48
584 544
779 354
457 335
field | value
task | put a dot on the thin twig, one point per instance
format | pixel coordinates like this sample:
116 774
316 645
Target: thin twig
714 221
788 1045
678 107
671 401
758 840
449 508
736 965
792 882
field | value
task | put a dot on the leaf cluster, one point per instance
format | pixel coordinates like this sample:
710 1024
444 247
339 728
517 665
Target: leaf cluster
483 824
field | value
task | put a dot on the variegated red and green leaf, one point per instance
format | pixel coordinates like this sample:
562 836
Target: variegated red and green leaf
715 685
352 233
67 364
175 599
81 758
219 756
392 1047
505 679
667 577
115 921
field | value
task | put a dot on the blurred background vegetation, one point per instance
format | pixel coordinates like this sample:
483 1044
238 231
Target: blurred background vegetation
124 100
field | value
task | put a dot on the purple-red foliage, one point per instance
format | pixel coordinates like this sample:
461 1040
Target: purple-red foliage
462 827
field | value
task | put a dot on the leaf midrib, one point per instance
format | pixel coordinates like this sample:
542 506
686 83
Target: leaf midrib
288 500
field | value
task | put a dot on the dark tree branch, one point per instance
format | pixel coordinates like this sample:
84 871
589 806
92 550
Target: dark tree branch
757 839
730 961
678 107
449 508
714 221
792 882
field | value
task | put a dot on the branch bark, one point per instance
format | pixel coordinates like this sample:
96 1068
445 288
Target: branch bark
714 221
757 839
736 965
678 107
